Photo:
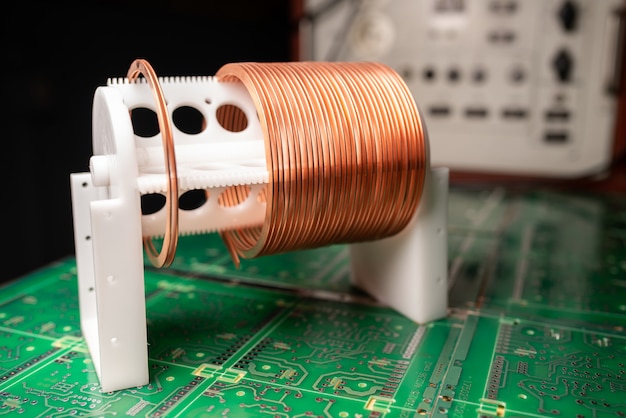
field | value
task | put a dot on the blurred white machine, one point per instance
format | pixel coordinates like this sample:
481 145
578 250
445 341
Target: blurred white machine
508 86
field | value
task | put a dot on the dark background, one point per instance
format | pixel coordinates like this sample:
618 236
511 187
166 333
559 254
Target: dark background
55 55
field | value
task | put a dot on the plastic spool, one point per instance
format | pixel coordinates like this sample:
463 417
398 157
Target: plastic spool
404 266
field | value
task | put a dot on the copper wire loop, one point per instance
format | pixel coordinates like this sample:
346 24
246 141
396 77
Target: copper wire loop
165 257
345 149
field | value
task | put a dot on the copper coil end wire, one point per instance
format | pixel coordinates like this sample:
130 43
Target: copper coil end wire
165 256
345 149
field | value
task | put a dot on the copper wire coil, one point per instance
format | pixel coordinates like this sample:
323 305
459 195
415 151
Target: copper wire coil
345 149
165 256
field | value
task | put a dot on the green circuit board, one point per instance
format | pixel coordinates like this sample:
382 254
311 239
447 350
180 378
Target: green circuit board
536 327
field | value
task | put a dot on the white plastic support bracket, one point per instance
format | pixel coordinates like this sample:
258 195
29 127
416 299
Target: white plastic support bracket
109 261
409 271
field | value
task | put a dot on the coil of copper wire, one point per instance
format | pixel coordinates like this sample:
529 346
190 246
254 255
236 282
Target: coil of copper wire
346 152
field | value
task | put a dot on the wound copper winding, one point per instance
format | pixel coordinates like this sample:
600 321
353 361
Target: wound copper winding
345 149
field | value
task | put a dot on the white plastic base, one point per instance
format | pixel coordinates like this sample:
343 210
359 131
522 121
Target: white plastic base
109 260
409 271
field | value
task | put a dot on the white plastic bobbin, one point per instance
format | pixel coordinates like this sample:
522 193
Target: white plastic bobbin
407 271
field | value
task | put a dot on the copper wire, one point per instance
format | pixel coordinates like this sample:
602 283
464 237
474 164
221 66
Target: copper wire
165 256
345 149
231 118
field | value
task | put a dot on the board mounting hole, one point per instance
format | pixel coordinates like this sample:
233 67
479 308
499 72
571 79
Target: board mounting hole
233 196
145 122
231 118
152 203
192 199
189 120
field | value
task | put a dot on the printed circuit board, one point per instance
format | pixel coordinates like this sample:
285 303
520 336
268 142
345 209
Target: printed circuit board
536 327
